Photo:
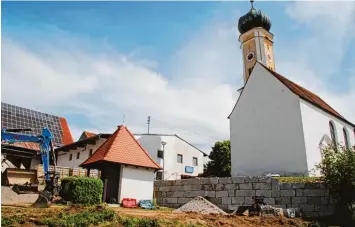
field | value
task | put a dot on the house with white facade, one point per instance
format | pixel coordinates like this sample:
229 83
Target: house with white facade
177 157
277 126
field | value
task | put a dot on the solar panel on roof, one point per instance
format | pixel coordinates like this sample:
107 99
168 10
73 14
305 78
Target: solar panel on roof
19 117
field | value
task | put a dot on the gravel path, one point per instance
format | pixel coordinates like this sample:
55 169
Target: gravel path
200 205
8 196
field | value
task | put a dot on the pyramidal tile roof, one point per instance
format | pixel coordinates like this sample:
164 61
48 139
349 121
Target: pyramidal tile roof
122 147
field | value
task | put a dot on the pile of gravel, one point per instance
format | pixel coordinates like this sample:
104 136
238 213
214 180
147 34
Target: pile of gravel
200 205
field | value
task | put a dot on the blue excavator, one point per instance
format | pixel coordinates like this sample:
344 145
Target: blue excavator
52 187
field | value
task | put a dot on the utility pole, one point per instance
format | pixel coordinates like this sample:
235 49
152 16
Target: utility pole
148 123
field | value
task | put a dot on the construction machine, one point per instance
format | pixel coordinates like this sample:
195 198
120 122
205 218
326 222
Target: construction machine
51 178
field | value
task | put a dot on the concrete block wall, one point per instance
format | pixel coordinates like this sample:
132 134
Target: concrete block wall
230 192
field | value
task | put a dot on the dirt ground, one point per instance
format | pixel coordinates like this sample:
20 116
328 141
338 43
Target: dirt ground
165 216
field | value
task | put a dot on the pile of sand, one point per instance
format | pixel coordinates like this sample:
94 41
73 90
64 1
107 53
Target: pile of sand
200 205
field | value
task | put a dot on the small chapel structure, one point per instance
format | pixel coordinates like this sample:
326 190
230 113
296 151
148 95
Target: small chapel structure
277 126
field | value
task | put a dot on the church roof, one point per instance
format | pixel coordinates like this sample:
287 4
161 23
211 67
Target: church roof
306 95
121 147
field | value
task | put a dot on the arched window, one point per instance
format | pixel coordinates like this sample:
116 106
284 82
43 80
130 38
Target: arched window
346 138
333 134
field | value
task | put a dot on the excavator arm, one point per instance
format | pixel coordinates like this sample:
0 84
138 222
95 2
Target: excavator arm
44 140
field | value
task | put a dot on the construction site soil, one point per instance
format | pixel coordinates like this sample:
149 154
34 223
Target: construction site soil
165 217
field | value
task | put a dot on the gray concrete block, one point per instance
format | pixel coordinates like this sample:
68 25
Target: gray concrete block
310 185
314 200
160 200
219 187
248 200
169 194
221 194
213 180
238 200
190 194
264 186
187 187
178 194
306 207
230 187
184 181
265 193
178 188
226 200
210 193
299 192
323 208
264 179
208 187
178 182
275 191
193 181
326 200
251 179
269 201
225 180
215 201
298 200
282 200
233 207
171 200
231 193
164 188
160 183
314 192
286 193
170 183
245 186
285 186
205 181
244 193
238 180
163 194
298 185
195 187
183 200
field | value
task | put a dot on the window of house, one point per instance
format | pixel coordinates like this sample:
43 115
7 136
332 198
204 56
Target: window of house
179 158
70 157
160 154
333 135
78 155
90 152
346 138
194 161
159 176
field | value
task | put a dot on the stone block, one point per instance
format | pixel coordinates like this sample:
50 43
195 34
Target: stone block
215 201
275 190
237 180
210 193
230 187
223 206
244 193
195 187
264 179
193 181
306 207
183 200
187 187
178 188
231 193
160 200
314 200
184 181
298 185
238 200
225 180
269 201
163 194
251 179
285 186
213 180
310 185
263 186
265 193
164 188
219 187
298 200
226 200
178 182
287 193
248 200
160 183
245 186
299 192
221 194
314 192
171 200
170 183
208 187
169 194
282 200
174 205
190 194
178 194
205 181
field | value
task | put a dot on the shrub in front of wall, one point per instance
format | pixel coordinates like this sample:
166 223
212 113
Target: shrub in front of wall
82 190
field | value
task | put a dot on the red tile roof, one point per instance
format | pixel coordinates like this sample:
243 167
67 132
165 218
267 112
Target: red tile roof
27 145
306 94
66 136
122 147
88 134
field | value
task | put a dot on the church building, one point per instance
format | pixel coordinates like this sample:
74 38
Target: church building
277 126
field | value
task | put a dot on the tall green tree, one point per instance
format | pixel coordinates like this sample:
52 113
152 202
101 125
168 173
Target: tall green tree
220 160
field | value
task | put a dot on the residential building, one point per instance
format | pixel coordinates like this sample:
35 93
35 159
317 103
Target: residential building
178 157
277 126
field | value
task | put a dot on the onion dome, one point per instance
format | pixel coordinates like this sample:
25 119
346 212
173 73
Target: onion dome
254 18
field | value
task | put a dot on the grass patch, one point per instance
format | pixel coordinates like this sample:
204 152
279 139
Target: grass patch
139 222
13 220
298 179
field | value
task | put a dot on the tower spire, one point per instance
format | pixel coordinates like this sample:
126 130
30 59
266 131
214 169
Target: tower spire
252 4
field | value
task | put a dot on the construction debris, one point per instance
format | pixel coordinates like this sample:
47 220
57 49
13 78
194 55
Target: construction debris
200 205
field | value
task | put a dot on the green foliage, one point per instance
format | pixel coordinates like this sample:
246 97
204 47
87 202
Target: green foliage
139 222
13 220
83 219
298 179
220 160
338 170
82 190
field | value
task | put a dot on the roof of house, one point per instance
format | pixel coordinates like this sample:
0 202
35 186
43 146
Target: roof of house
83 142
122 147
306 95
145 134
88 134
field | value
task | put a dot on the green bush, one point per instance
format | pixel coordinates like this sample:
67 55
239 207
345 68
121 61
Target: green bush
139 222
82 190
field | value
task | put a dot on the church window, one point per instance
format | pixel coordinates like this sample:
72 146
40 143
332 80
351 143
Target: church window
346 138
333 135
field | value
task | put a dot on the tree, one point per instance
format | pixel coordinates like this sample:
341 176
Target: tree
220 160
337 168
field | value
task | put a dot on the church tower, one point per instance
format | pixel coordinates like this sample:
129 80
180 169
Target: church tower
256 40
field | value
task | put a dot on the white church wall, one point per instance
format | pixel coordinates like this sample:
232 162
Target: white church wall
315 123
265 129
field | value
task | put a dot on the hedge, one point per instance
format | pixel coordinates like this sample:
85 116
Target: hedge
82 190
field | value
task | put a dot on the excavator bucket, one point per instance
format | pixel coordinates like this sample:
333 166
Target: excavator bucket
44 200
23 181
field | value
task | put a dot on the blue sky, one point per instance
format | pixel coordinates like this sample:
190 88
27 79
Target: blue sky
180 62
